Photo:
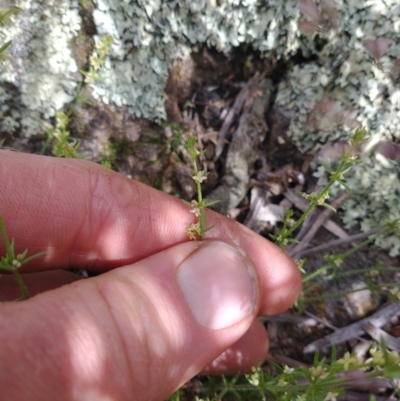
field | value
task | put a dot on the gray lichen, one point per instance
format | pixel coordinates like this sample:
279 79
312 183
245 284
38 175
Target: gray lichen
40 64
149 35
346 87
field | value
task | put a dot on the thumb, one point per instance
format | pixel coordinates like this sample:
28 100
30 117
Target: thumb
137 332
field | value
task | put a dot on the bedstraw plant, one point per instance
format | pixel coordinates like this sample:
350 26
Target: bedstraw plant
326 379
197 230
11 262
319 198
58 135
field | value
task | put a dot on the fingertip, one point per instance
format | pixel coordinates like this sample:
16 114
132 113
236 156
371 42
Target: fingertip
279 275
281 281
248 351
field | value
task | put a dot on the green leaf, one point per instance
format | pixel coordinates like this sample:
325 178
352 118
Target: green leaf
22 256
359 136
348 189
207 204
6 241
5 266
7 12
327 168
346 170
5 46
329 207
210 228
37 255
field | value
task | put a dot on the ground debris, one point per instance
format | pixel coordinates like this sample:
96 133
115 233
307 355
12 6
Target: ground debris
242 151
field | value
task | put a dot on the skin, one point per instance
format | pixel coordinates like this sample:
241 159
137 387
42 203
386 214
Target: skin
127 333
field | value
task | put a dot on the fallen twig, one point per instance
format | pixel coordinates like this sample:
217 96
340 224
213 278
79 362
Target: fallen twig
338 242
234 113
378 319
319 221
302 205
378 335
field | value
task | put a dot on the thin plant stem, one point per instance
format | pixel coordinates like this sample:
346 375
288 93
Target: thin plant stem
344 255
21 284
372 287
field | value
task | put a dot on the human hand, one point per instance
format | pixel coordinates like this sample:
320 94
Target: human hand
164 308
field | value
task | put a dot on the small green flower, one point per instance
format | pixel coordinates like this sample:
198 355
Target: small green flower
321 199
318 372
287 370
281 382
190 145
193 231
331 396
394 357
348 361
254 377
196 210
378 356
200 177
16 263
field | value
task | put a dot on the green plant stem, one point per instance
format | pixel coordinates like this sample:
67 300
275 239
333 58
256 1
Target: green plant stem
372 287
12 263
321 195
345 255
21 284
311 206
199 200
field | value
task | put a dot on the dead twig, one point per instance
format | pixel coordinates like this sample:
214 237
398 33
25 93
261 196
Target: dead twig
244 95
338 242
378 319
319 221
378 335
301 204
242 152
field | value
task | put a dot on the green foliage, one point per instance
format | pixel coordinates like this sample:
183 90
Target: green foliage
97 59
58 135
319 198
63 144
12 262
174 133
4 20
326 380
197 230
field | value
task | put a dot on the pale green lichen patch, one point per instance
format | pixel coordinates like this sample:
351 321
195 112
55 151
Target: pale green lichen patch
374 199
353 81
39 65
149 35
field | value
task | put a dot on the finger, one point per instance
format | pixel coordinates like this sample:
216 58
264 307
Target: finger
35 283
137 332
248 351
83 215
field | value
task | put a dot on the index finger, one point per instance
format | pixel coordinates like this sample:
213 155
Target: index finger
83 215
